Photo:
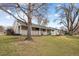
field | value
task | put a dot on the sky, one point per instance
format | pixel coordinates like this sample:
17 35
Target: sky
7 20
53 15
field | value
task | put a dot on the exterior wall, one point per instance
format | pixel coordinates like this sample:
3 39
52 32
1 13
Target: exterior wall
40 31
33 32
23 32
45 33
55 32
15 28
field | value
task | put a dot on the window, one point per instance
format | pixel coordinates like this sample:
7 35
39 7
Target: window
37 29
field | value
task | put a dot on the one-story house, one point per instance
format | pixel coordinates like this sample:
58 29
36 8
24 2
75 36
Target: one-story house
21 28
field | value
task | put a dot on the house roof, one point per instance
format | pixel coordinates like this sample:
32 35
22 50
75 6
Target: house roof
35 25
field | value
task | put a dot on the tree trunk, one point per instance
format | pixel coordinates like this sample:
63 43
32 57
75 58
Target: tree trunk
29 37
71 33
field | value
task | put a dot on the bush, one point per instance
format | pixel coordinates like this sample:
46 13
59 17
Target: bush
10 32
70 34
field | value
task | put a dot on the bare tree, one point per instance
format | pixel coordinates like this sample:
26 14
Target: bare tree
29 10
69 17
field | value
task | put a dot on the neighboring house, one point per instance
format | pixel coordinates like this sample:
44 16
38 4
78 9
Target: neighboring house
1 30
21 28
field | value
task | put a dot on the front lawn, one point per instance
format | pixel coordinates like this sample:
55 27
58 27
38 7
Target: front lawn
41 45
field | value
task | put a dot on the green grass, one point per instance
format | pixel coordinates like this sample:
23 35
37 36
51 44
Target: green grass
42 45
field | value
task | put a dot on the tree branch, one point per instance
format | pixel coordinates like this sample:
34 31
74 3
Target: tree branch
18 6
10 13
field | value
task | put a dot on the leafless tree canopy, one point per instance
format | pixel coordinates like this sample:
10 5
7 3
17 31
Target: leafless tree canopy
69 17
18 11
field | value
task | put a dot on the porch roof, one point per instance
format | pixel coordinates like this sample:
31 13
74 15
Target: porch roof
37 26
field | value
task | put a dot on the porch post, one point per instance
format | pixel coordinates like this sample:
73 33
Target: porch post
46 31
39 31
